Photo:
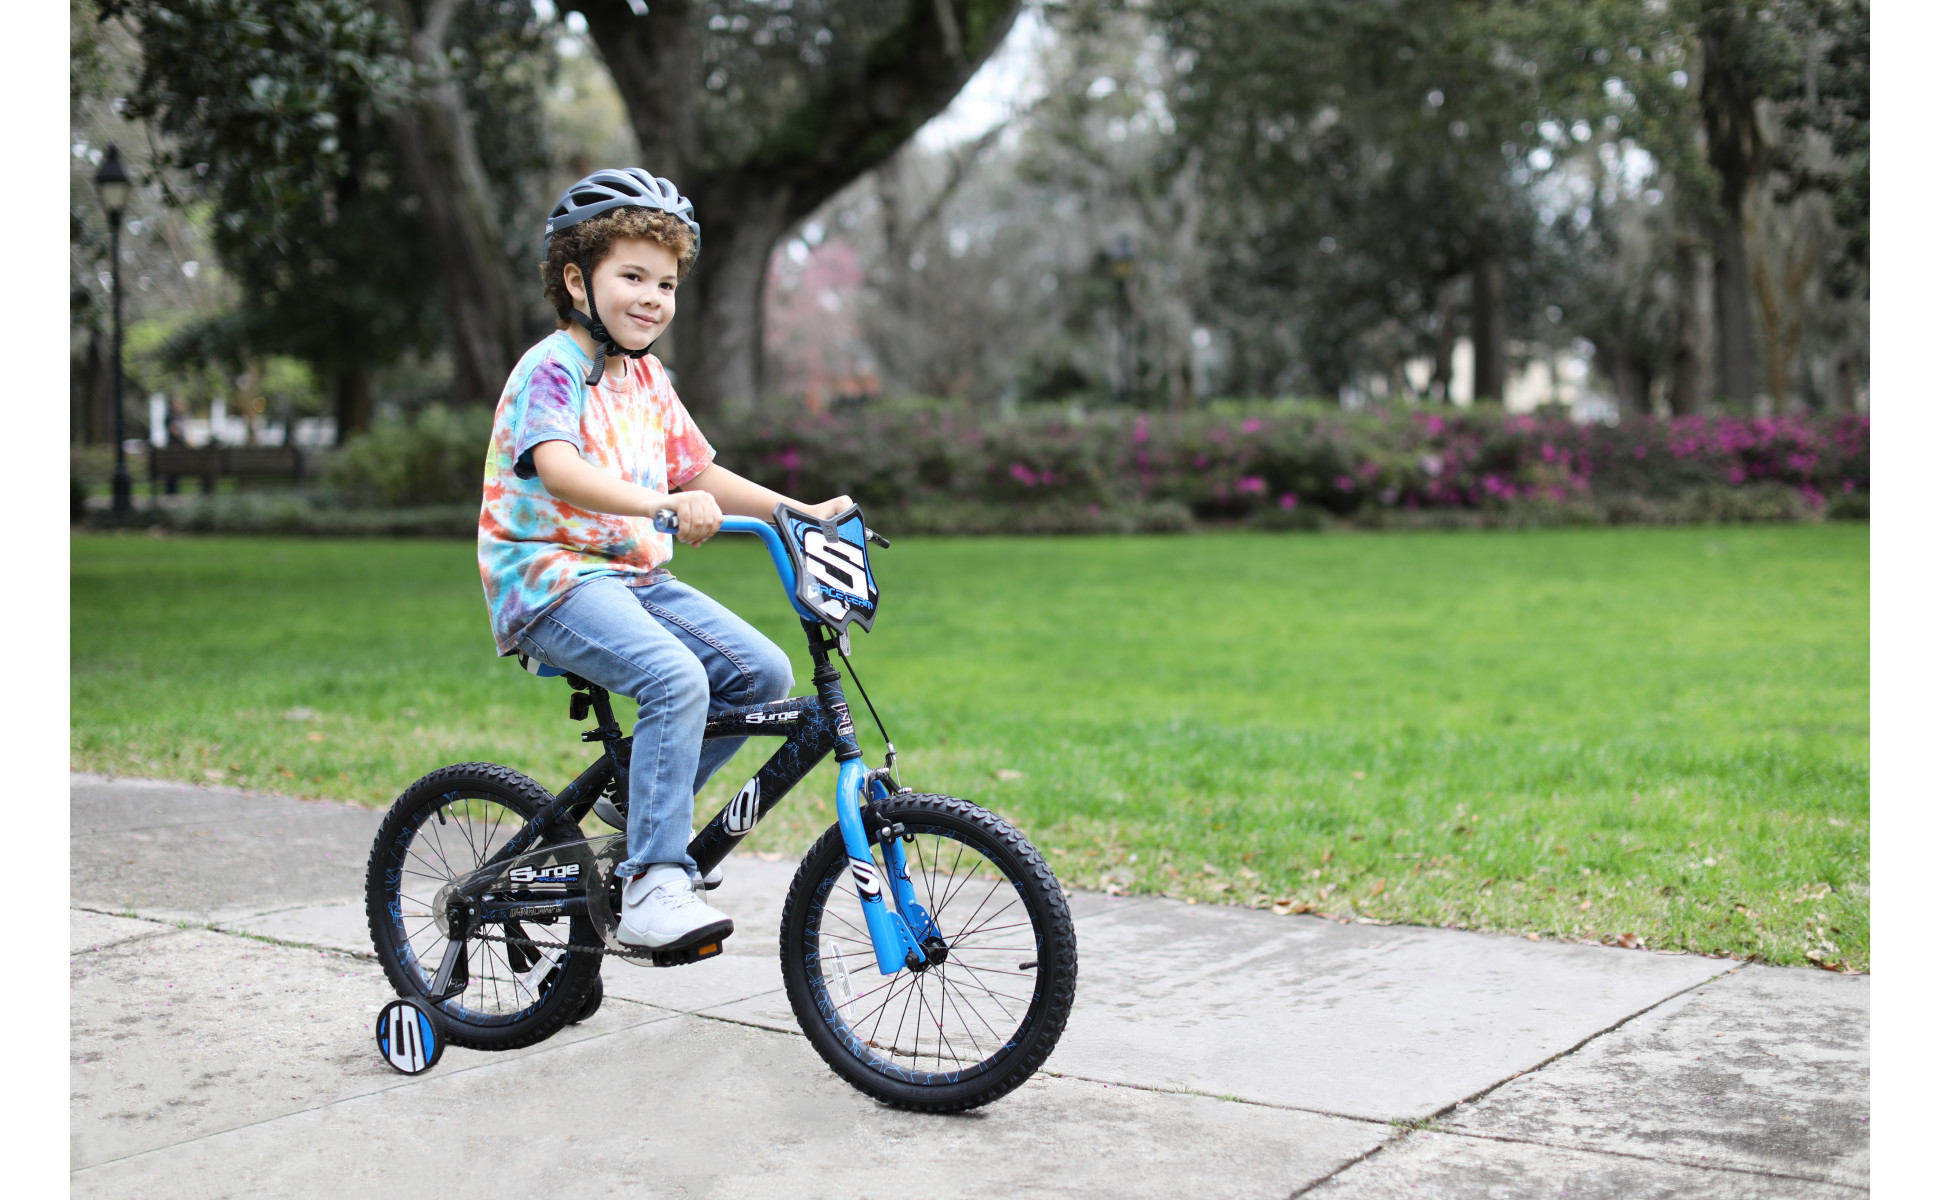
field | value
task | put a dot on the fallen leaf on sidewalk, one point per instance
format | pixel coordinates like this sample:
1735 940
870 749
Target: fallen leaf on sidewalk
1289 907
1630 941
1534 937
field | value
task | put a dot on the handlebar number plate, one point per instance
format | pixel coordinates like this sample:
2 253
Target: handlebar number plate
831 558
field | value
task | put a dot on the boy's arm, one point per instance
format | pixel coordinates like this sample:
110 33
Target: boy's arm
746 498
699 504
579 483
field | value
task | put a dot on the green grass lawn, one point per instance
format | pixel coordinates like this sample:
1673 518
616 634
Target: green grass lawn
1581 734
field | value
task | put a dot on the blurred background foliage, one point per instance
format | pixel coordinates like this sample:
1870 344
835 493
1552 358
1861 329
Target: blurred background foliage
1609 210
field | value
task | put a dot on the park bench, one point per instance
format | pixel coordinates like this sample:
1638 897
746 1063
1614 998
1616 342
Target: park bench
209 463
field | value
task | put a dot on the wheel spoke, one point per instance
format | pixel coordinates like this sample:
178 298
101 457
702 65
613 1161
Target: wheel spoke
950 1020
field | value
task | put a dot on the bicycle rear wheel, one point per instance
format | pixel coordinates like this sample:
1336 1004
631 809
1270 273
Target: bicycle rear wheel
442 828
982 1019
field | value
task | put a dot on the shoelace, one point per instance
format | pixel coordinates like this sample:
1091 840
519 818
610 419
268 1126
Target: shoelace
678 898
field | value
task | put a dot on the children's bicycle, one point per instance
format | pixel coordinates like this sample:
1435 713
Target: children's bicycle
926 946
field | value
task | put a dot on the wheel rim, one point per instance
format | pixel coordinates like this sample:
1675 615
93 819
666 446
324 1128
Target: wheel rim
503 983
960 1016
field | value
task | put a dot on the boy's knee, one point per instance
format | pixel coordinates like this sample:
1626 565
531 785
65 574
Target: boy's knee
770 675
681 682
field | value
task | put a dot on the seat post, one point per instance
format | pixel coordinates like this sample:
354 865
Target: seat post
603 708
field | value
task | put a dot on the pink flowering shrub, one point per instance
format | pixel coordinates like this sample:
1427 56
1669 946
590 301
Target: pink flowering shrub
1285 463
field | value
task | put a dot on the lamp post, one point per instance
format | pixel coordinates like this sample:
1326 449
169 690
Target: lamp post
1124 262
111 182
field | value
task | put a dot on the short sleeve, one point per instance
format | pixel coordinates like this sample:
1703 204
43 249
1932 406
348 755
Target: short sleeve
688 453
551 408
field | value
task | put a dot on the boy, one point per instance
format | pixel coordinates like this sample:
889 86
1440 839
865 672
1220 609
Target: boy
588 441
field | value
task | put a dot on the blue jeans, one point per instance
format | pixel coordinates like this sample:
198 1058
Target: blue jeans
681 657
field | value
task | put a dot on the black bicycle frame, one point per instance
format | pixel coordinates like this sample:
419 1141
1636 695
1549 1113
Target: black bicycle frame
813 727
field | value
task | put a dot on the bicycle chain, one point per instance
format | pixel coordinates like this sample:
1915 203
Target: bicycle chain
644 953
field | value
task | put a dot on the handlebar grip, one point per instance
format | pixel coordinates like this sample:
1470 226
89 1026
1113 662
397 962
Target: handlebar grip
666 521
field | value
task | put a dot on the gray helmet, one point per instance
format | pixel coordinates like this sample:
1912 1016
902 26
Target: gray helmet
620 187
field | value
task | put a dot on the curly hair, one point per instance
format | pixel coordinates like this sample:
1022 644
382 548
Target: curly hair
591 241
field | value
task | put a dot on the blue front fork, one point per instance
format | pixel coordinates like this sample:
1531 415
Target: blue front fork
898 933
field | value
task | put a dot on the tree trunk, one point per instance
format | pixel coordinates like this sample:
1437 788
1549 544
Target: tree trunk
353 401
1737 153
842 125
1731 304
1487 326
655 60
1632 380
1687 355
97 397
1845 387
721 349
1441 384
436 140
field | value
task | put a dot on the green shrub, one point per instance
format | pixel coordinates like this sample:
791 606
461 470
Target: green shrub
434 458
1283 465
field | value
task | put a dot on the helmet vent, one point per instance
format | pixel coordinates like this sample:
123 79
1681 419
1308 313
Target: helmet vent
628 187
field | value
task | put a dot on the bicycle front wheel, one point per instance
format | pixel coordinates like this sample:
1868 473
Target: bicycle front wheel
985 1014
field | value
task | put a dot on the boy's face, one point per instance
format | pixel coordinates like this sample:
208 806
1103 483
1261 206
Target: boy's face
634 288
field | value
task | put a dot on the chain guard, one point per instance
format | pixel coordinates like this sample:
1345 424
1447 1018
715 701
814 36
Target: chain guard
596 859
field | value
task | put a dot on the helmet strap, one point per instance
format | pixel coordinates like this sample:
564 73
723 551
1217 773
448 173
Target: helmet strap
603 343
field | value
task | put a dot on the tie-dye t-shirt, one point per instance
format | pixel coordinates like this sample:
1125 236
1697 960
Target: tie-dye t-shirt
533 548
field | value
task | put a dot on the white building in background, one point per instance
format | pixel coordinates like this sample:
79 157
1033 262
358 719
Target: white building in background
222 428
1542 376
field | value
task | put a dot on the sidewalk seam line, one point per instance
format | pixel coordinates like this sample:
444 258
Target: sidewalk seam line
1355 1161
1222 1098
210 927
1612 1028
1679 1162
1586 1040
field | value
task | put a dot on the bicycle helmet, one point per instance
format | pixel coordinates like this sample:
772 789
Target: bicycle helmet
602 192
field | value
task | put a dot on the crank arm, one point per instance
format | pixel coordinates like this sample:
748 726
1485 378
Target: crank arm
452 976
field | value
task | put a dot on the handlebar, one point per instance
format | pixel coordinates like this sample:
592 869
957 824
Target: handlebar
666 521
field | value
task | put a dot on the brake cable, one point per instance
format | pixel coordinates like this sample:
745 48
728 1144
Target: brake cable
889 755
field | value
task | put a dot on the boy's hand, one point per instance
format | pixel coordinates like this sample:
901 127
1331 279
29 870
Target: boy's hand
699 515
828 508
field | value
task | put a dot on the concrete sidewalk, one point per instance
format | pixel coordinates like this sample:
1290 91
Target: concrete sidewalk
223 990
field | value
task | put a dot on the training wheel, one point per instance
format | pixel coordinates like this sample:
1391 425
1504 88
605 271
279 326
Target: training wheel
408 1037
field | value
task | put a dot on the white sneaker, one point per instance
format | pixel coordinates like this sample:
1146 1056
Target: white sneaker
659 910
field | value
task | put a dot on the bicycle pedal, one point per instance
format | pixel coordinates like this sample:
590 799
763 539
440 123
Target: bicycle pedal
692 954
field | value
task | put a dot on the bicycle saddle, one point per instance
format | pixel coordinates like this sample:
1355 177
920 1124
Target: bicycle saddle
543 670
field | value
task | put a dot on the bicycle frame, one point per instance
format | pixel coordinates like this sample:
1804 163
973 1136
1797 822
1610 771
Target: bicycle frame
813 727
